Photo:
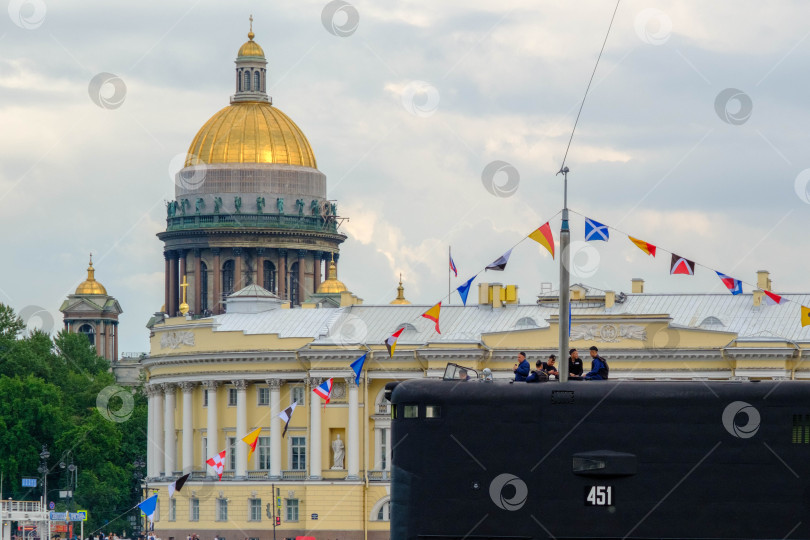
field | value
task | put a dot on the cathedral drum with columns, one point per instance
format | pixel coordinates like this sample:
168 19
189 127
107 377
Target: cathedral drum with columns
249 233
250 203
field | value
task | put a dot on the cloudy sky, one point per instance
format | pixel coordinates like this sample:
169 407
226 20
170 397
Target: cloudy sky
405 104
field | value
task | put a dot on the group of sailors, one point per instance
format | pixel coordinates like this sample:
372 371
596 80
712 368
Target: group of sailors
548 369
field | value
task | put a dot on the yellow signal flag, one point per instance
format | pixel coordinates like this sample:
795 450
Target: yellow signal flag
805 316
251 439
543 237
433 315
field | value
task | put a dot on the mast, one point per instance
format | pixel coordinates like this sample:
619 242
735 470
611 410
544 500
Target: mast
565 292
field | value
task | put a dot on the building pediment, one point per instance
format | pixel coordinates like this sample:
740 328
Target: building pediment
81 305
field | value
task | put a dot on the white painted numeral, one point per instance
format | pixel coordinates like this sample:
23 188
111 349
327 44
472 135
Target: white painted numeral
600 496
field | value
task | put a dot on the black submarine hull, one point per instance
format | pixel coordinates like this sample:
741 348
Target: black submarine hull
609 459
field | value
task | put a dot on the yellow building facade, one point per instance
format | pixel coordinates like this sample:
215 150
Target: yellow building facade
232 373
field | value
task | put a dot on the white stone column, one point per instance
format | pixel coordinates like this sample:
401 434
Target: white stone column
315 404
353 433
151 462
387 448
188 427
275 428
159 419
169 435
212 429
241 428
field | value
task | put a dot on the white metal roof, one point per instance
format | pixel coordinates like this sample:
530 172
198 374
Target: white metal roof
373 324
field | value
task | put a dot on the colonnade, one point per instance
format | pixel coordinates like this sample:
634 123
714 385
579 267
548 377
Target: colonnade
176 268
163 435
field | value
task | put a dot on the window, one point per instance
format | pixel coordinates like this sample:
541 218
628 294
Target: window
247 81
292 509
384 513
264 396
257 81
410 411
383 446
269 281
228 270
294 299
203 286
231 397
801 429
204 453
231 453
194 507
172 509
205 398
298 453
433 411
88 331
264 453
222 509
297 395
255 510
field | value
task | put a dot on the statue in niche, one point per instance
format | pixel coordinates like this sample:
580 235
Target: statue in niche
280 205
337 450
260 204
217 204
313 207
183 204
300 204
237 203
199 205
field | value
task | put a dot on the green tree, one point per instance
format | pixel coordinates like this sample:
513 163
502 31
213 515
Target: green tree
57 393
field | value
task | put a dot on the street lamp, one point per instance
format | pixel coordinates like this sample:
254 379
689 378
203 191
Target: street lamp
71 481
139 465
43 470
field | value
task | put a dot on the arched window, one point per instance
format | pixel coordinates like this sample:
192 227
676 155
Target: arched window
382 510
203 286
257 85
269 281
227 278
239 81
88 331
294 300
382 405
247 81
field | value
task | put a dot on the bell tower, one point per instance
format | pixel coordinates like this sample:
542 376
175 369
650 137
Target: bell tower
94 313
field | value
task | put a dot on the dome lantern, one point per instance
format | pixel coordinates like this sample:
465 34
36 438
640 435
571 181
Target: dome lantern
400 300
90 285
332 285
251 72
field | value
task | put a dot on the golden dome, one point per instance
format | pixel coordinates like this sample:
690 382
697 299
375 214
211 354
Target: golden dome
90 285
400 300
251 132
250 48
332 285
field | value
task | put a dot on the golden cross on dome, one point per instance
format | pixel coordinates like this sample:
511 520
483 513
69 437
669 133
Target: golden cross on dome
251 22
184 305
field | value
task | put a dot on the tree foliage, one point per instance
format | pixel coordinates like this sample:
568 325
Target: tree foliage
53 394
